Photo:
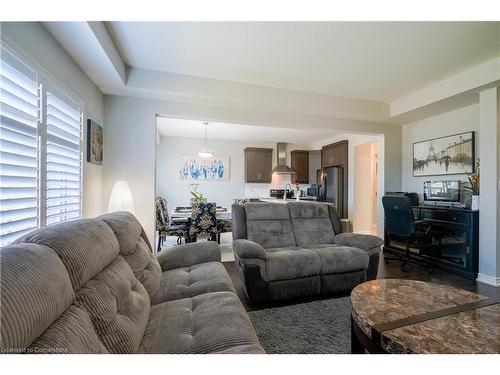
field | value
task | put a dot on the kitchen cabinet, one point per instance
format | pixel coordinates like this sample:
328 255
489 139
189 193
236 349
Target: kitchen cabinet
334 154
314 165
300 164
258 165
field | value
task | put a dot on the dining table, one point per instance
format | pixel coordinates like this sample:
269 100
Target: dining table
184 212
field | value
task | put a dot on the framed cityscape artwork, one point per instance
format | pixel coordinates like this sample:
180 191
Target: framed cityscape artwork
454 154
194 167
94 142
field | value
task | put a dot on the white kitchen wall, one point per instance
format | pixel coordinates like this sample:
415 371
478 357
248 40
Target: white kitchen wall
449 123
40 47
176 191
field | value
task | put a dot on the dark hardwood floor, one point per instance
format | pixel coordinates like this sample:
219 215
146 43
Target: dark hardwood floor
386 271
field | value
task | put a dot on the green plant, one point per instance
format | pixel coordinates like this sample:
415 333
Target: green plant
473 181
198 197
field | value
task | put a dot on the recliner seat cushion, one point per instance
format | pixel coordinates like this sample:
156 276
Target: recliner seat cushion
291 263
192 281
311 223
208 323
341 259
268 224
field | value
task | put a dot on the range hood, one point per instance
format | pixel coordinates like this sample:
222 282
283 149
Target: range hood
281 167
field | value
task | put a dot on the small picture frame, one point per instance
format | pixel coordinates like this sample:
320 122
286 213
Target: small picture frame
94 142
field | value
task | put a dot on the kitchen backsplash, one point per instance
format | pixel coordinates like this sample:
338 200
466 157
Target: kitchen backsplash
262 190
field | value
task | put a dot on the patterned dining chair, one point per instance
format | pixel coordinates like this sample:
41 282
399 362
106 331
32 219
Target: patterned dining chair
203 221
165 227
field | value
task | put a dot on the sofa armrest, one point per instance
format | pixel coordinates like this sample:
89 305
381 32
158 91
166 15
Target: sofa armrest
249 249
188 255
361 241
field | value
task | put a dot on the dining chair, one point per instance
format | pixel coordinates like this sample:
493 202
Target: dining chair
165 227
203 221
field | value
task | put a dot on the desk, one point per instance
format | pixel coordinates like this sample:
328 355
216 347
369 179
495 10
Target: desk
458 250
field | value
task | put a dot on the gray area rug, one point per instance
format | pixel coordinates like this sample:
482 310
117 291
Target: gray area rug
318 327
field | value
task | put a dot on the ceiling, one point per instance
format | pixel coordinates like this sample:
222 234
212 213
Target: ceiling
172 127
379 61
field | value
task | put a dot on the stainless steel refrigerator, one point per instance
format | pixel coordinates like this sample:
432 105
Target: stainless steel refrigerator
331 189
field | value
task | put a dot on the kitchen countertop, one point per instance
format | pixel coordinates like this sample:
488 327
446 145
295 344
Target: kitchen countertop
278 200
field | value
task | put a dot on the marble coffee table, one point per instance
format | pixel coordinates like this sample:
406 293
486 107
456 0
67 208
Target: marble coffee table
408 316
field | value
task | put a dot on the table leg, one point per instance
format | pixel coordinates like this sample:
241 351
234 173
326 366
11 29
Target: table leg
356 346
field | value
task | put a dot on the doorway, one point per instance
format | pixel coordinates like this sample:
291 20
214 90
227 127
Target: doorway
365 188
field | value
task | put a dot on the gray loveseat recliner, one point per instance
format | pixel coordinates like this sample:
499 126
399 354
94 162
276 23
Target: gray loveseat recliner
295 249
94 286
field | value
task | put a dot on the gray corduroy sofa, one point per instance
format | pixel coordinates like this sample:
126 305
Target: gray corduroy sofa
94 286
295 249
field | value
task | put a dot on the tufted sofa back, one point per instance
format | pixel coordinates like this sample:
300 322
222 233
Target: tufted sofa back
268 224
78 287
286 224
311 223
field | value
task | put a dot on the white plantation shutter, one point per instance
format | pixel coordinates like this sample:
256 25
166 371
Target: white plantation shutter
63 159
19 149
40 152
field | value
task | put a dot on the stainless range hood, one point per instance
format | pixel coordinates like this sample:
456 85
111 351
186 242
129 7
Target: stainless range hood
281 167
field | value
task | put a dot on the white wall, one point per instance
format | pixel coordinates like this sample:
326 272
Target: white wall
130 140
41 47
449 123
176 191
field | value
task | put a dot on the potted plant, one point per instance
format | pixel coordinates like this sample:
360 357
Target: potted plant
197 197
474 187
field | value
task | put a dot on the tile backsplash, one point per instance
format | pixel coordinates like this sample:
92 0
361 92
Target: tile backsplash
262 190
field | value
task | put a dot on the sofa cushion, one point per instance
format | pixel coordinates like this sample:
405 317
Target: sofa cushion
268 224
134 249
208 323
35 291
291 263
71 333
191 281
84 246
118 306
311 223
340 259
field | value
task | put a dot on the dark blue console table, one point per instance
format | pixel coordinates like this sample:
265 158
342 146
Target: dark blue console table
457 250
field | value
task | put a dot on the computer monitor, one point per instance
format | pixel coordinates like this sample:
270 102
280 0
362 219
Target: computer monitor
442 191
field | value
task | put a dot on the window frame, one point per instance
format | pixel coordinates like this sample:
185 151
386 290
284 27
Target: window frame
45 83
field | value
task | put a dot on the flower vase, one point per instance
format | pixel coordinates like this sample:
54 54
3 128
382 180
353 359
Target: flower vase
297 195
475 203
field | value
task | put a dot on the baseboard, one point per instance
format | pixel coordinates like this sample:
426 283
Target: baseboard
490 280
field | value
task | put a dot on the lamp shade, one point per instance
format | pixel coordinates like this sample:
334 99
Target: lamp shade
121 198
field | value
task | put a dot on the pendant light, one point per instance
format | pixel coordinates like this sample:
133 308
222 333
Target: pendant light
205 152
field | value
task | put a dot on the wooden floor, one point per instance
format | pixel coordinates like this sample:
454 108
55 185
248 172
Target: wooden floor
386 271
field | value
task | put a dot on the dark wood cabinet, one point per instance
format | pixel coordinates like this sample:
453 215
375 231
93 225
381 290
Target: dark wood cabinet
258 165
336 155
456 249
300 164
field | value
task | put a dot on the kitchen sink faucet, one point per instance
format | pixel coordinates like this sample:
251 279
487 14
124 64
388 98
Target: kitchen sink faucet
287 184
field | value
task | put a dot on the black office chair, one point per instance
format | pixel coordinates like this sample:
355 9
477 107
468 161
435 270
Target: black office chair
400 223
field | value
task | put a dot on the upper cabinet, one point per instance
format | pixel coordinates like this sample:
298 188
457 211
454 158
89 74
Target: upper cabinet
300 164
334 154
314 166
258 165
